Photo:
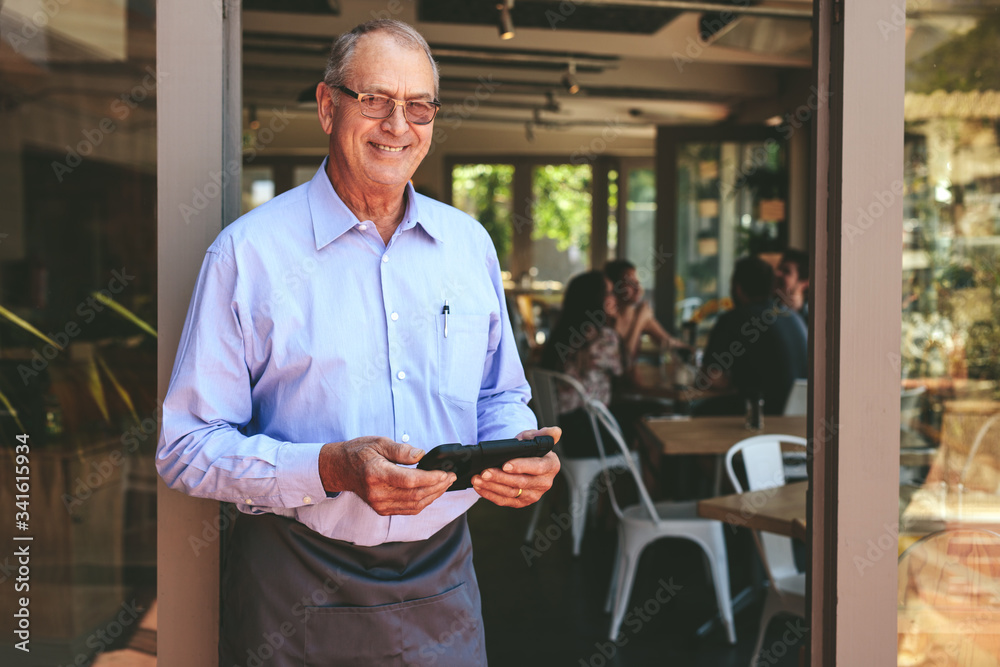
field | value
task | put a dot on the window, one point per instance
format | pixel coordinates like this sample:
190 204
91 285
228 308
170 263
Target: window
78 321
950 356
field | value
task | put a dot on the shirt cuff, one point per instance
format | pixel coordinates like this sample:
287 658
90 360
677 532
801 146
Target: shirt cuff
297 473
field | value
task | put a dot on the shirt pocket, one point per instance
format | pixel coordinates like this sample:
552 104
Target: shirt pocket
461 357
442 630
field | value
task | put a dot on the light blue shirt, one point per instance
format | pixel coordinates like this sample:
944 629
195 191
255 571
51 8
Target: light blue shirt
305 328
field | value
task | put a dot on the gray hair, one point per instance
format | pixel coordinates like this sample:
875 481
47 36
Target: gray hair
338 65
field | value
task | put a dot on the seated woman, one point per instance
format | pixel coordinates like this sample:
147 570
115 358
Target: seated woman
634 317
584 346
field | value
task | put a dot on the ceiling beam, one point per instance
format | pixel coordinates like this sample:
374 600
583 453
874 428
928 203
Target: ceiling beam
783 11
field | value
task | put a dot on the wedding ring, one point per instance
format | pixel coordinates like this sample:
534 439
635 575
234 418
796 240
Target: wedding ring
519 492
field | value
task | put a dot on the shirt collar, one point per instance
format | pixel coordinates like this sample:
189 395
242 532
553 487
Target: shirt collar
331 218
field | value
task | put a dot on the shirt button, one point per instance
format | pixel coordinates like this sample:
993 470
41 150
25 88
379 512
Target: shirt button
405 438
385 258
394 316
401 375
249 501
362 227
307 500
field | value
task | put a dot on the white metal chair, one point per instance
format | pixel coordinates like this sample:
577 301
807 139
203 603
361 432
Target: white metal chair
580 473
909 409
798 400
762 459
640 525
797 405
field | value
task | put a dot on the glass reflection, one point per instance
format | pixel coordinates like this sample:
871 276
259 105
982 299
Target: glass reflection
949 533
78 327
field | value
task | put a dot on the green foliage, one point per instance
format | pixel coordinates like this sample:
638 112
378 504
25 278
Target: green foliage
484 192
562 204
967 62
642 185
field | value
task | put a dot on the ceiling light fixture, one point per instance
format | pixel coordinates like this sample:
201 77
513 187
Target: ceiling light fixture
506 25
569 79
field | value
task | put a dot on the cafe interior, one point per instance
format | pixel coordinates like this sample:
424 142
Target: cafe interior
675 134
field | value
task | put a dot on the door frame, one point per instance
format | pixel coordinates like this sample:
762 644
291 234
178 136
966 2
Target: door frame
198 137
855 326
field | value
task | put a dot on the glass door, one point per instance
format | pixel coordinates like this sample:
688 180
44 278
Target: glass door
637 228
78 327
949 479
731 201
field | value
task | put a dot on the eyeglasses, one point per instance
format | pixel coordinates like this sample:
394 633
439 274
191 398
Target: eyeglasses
377 107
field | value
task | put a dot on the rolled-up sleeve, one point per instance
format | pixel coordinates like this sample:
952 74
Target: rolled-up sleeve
202 450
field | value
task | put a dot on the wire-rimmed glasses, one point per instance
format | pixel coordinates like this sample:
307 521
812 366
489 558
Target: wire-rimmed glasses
377 106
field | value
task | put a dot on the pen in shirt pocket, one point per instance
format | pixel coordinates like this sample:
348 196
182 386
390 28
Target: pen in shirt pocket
445 311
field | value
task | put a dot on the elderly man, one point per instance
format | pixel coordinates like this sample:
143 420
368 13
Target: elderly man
335 334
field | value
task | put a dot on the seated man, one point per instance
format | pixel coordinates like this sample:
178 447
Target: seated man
759 347
793 281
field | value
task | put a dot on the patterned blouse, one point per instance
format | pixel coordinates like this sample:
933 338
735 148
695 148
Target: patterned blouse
593 365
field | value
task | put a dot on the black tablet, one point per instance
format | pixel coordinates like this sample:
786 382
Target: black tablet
468 460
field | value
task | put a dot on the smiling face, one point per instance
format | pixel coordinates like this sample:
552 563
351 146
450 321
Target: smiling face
368 157
633 288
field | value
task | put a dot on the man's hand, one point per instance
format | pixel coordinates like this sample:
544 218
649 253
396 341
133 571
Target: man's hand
531 476
367 468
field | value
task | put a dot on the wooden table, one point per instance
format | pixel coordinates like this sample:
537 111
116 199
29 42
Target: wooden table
781 510
658 382
712 435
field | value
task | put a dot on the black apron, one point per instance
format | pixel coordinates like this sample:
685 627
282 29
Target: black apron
292 597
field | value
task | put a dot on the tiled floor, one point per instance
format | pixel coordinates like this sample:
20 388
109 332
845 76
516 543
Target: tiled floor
544 607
